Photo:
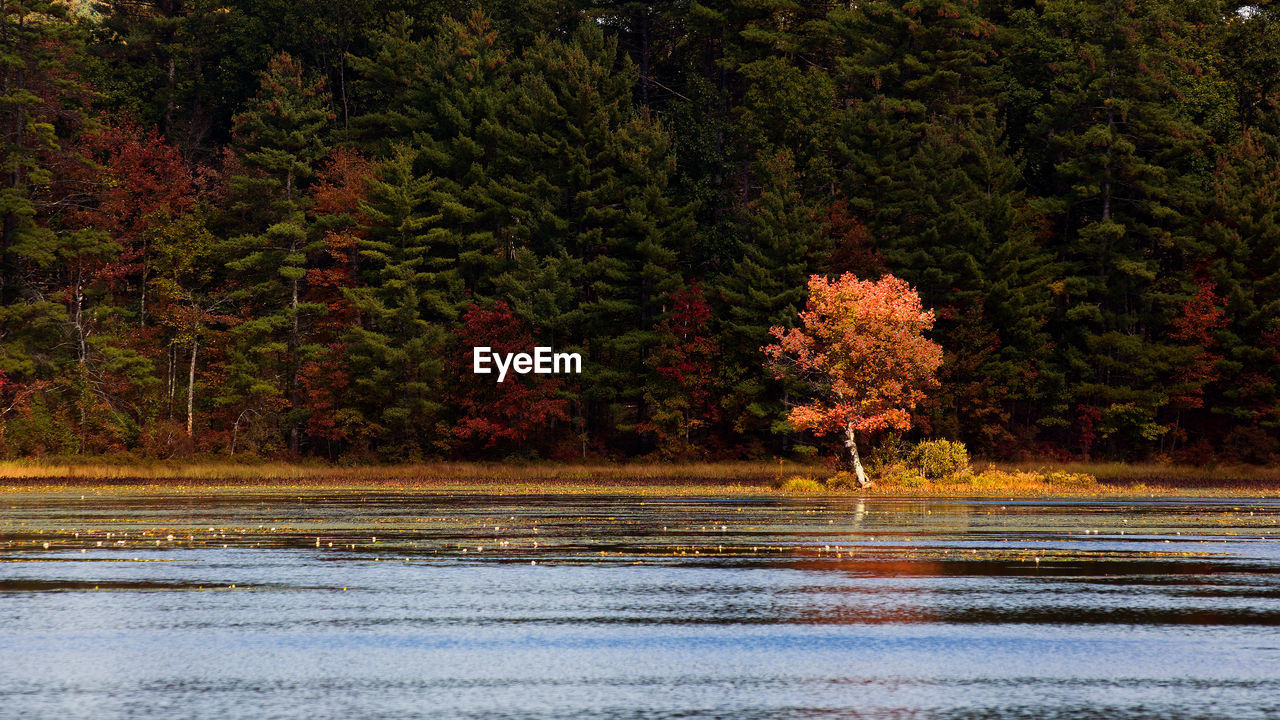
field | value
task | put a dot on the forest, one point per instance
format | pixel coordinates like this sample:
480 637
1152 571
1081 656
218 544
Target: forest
277 228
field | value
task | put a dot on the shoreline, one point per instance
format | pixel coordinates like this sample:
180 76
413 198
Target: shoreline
1113 480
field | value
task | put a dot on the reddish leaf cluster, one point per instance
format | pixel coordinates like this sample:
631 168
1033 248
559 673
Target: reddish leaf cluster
1201 317
685 359
512 415
861 345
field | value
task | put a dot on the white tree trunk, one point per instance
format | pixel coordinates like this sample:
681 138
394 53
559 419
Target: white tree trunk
852 444
191 383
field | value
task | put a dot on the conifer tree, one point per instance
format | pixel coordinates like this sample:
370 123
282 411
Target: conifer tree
926 165
1123 158
1244 229
281 140
42 278
782 242
445 96
588 195
411 290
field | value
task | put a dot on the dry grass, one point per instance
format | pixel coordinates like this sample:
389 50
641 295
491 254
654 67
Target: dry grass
431 473
1158 475
1055 480
990 481
1023 479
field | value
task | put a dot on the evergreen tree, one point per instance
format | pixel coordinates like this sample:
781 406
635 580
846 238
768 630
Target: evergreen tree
42 110
280 136
445 96
1244 229
412 290
588 195
782 243
926 165
1123 158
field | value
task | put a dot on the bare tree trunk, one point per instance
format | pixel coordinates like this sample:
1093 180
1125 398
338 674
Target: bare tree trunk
191 383
82 359
173 376
852 444
170 89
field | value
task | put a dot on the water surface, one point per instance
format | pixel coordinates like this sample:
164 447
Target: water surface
396 603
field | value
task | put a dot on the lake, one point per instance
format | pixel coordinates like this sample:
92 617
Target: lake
368 603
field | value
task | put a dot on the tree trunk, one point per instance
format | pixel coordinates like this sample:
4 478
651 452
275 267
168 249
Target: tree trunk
852 444
295 342
82 357
191 383
170 90
173 376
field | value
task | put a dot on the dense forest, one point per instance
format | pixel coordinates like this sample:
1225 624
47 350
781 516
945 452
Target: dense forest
278 227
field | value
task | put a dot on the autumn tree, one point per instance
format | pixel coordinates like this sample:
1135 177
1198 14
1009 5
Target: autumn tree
681 391
518 415
862 353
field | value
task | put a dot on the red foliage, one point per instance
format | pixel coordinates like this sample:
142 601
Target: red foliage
852 248
683 400
516 414
862 345
339 190
141 183
1087 419
323 383
1201 316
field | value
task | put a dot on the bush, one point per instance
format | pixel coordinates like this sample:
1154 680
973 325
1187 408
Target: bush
940 459
797 483
889 452
842 481
900 475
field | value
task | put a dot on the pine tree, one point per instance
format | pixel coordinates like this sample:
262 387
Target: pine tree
47 261
926 166
1244 229
1123 157
281 141
445 96
588 200
781 244
411 290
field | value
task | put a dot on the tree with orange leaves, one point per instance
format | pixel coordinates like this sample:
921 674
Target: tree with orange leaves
862 352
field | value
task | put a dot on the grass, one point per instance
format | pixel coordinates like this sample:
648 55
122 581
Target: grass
1036 479
1161 475
430 473
1045 479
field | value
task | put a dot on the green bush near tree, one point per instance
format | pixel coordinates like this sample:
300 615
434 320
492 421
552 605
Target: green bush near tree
940 459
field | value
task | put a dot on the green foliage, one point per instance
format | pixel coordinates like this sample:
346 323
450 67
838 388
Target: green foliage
1084 192
940 459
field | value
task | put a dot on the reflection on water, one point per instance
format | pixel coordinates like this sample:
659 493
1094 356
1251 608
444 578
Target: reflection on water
392 604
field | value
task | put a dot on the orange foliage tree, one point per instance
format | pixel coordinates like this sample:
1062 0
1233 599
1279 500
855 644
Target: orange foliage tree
862 353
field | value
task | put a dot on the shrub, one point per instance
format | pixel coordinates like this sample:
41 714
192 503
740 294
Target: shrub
1075 481
901 475
797 483
1250 445
940 459
890 451
842 481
